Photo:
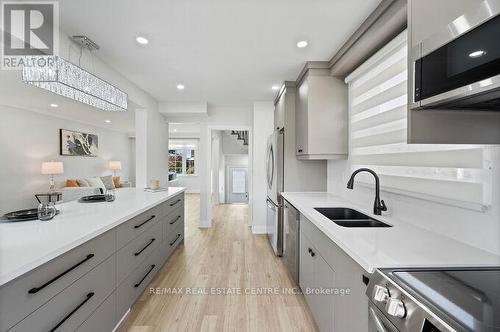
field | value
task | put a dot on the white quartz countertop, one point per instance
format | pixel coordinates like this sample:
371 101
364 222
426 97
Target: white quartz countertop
27 245
402 245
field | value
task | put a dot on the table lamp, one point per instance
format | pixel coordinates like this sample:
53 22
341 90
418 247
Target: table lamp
52 168
115 165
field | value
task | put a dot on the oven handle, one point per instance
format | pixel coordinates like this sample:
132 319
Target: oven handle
379 325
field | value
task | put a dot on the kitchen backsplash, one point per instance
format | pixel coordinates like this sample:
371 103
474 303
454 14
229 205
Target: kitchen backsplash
479 229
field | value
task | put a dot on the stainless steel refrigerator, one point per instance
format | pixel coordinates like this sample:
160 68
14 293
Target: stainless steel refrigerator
275 175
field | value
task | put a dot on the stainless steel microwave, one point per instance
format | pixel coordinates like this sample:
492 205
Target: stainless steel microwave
459 66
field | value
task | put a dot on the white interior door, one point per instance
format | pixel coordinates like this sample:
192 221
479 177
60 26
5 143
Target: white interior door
237 184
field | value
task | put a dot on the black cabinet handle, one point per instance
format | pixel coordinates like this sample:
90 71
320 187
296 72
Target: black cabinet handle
147 245
89 296
309 250
140 282
177 201
177 238
37 289
176 219
151 218
300 150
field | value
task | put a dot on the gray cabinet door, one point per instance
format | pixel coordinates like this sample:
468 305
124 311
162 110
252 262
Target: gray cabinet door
316 280
306 267
323 299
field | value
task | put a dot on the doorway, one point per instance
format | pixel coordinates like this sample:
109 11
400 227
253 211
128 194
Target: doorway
237 189
230 169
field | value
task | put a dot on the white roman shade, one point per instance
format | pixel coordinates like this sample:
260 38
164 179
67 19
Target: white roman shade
452 174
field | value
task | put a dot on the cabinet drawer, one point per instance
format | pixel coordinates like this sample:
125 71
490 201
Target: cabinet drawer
137 225
172 221
133 285
173 203
25 294
174 239
103 318
329 250
130 256
70 308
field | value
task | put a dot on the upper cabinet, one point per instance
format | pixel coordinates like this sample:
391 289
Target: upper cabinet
321 114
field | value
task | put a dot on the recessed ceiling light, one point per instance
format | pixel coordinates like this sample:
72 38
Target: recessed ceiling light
180 87
175 130
302 44
107 121
275 87
142 40
477 54
54 105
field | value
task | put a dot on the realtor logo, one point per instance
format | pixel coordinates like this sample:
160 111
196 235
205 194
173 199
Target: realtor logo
28 29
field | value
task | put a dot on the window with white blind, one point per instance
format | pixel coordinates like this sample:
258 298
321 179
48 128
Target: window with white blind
452 174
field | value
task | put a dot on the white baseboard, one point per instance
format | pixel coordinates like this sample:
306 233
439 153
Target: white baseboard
259 229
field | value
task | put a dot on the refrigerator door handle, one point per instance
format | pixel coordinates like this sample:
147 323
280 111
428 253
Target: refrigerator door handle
270 166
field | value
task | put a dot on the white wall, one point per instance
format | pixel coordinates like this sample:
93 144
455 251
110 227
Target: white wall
29 138
263 124
231 144
190 182
151 128
479 229
215 162
131 160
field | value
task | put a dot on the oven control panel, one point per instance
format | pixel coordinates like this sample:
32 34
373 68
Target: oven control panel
403 310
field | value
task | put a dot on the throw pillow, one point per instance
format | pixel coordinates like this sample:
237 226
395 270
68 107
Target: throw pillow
71 183
108 182
116 181
96 182
82 183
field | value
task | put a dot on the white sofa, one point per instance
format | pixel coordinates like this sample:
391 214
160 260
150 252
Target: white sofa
75 193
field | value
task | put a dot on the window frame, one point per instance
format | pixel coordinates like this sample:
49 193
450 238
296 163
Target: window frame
184 147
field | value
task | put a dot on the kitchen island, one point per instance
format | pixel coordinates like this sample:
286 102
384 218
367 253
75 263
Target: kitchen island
86 267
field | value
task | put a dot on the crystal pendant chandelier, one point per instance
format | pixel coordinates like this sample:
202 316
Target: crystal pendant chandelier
66 79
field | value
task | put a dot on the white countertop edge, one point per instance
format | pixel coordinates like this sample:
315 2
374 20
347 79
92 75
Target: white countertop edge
319 221
5 278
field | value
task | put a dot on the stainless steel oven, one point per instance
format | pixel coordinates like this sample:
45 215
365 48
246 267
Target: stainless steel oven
434 300
459 66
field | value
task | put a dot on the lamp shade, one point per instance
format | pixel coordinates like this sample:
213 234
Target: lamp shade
52 167
115 165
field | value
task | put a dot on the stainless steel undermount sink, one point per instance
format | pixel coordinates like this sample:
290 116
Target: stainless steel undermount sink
350 218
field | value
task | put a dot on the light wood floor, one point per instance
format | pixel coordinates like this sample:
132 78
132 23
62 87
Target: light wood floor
224 256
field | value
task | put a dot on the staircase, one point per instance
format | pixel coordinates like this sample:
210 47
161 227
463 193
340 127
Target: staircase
242 135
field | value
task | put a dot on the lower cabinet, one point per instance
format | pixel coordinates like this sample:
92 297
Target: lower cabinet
91 287
332 282
317 281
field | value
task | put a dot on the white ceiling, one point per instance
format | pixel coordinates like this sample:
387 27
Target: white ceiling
224 51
